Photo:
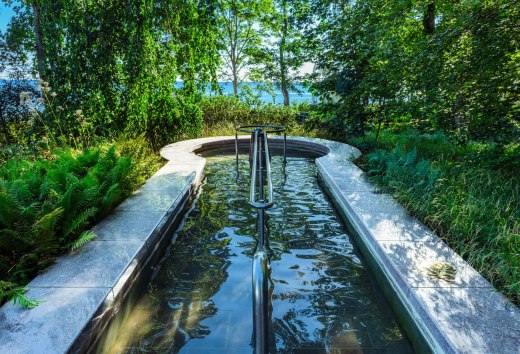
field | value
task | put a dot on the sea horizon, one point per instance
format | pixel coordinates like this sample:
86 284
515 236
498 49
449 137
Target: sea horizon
275 97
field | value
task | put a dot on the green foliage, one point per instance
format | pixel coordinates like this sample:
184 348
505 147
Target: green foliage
222 114
401 172
455 71
15 293
48 203
470 195
111 67
239 36
82 240
280 56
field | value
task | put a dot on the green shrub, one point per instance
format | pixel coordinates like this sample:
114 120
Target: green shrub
404 175
221 114
47 204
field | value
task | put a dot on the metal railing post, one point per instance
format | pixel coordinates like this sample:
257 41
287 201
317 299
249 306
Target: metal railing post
259 158
260 302
236 147
284 147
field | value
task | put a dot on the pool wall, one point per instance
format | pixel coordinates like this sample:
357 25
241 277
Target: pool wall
88 291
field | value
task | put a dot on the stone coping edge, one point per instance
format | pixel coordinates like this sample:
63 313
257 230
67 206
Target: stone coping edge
422 338
86 289
138 270
466 315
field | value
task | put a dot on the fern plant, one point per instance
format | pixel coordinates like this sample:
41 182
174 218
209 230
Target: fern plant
47 206
15 293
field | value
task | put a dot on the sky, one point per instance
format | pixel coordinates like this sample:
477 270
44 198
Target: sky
5 15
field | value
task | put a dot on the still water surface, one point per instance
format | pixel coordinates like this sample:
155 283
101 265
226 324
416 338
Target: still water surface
323 300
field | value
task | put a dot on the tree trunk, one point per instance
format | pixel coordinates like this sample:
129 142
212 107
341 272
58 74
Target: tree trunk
283 76
38 34
429 19
235 82
285 93
283 67
234 69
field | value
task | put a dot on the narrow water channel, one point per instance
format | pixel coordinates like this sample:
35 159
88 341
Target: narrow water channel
323 300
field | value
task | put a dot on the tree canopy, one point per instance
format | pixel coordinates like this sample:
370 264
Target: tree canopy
430 64
449 65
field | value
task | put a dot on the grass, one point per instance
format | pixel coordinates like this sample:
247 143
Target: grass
470 195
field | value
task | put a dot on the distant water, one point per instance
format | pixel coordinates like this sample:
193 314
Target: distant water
254 88
275 97
33 83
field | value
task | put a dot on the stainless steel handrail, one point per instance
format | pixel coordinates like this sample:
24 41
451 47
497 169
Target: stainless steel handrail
260 301
260 258
267 128
261 317
261 204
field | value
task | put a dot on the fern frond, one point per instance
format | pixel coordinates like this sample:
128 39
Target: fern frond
112 196
56 179
88 195
69 199
44 228
15 293
84 238
105 163
79 221
88 158
30 211
9 209
20 192
72 181
120 170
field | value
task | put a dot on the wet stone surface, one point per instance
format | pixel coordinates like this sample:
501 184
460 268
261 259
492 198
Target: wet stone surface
322 297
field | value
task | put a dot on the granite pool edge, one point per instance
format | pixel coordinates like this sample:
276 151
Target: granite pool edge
379 234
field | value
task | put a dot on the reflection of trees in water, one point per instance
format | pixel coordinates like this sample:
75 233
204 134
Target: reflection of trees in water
192 274
322 296
331 301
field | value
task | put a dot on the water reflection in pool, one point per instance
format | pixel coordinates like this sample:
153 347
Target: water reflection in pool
323 300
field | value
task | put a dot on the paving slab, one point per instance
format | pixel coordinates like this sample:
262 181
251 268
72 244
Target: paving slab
370 200
50 326
151 200
97 264
412 260
476 320
127 226
395 226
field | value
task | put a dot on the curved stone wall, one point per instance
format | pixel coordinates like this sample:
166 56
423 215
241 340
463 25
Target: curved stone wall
85 290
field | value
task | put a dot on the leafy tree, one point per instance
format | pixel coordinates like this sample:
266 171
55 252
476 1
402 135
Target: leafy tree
240 36
429 64
118 63
281 54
